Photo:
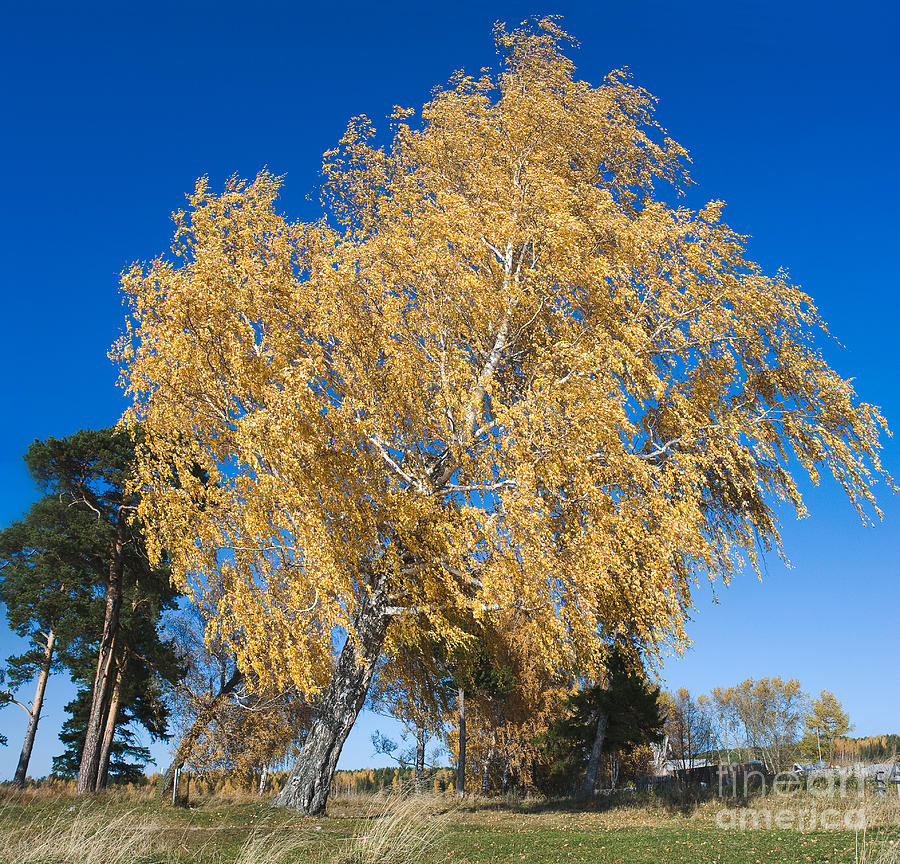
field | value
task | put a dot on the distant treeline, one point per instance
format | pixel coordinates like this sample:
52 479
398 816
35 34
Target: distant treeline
872 748
365 780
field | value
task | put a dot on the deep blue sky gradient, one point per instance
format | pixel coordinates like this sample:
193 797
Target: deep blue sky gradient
789 110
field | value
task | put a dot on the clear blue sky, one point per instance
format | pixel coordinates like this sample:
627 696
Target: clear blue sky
790 112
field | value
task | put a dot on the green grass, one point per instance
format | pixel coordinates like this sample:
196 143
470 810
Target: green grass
128 831
657 845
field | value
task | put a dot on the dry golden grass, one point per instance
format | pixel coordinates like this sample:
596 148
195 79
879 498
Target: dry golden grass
396 829
879 840
401 829
877 850
262 847
85 835
846 812
52 789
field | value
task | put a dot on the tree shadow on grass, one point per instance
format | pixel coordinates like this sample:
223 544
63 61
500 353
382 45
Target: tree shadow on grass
674 800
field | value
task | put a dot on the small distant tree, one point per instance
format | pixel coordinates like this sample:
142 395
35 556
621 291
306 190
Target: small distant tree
408 756
510 698
689 726
727 729
414 687
211 676
474 670
522 701
770 712
825 721
254 732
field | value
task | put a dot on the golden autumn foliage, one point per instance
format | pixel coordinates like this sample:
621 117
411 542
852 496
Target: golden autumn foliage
826 721
501 373
871 748
250 735
502 735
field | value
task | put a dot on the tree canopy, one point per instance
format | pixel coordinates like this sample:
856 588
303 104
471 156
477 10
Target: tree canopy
501 376
50 567
826 721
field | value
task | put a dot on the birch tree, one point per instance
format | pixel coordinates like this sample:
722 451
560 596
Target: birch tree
501 376
770 712
689 727
412 686
825 722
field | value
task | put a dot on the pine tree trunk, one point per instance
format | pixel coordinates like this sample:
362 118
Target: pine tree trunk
90 756
198 727
590 777
420 757
31 731
461 761
309 783
109 730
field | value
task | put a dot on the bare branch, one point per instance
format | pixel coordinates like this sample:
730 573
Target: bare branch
493 487
391 463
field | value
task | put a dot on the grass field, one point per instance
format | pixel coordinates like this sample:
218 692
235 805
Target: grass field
35 829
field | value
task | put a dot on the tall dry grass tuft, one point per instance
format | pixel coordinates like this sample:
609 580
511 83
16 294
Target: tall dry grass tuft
267 847
399 828
877 848
879 840
77 835
395 828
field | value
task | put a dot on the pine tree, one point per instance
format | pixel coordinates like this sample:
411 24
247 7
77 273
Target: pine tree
48 590
78 584
144 664
614 716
